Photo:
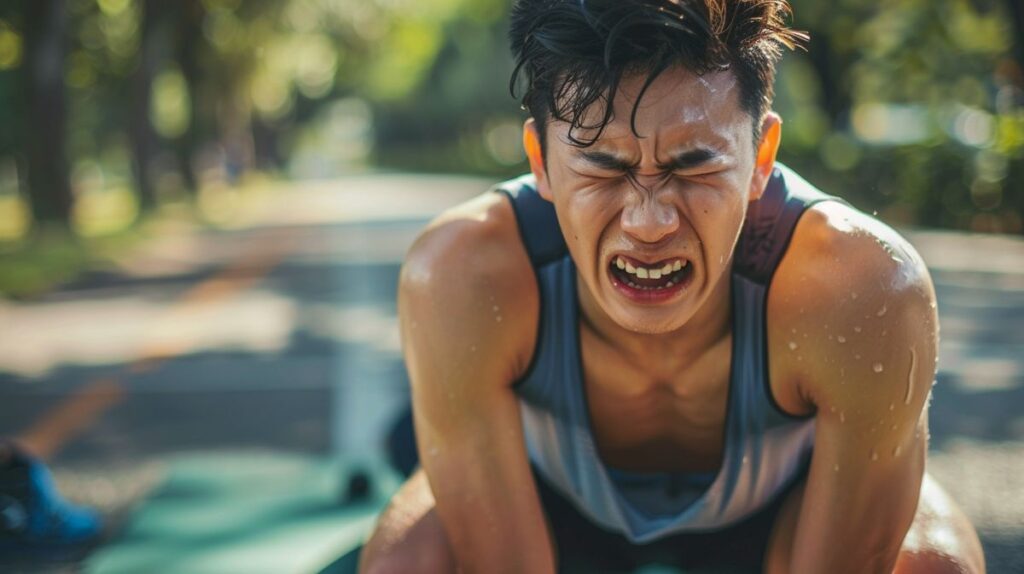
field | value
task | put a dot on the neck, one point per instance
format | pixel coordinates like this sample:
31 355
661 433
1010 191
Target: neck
670 350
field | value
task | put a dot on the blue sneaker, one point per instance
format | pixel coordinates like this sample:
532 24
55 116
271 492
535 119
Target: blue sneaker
35 522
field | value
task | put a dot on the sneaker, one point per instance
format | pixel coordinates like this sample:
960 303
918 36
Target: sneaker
35 521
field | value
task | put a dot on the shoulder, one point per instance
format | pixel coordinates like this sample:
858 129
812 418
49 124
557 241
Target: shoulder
467 284
851 299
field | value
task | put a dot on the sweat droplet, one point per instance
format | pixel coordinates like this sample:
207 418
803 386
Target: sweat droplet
841 339
896 451
853 295
910 377
495 309
877 367
498 319
856 329
874 455
835 467
892 406
792 346
842 416
881 311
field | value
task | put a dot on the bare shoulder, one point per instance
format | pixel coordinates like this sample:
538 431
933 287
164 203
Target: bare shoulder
850 299
467 293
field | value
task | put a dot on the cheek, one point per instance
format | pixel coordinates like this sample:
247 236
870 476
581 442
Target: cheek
717 217
592 210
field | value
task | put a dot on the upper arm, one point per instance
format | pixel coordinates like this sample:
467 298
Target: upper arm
868 307
468 312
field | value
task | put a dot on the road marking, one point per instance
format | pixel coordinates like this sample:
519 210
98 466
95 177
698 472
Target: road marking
84 407
49 433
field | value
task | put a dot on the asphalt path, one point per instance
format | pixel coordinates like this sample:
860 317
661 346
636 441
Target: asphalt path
278 338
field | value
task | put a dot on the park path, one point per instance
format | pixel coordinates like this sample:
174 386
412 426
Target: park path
212 391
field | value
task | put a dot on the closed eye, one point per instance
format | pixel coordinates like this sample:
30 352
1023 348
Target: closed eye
606 162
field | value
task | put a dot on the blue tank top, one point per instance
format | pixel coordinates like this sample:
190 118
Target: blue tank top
765 449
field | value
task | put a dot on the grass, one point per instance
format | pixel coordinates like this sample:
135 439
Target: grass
36 259
47 257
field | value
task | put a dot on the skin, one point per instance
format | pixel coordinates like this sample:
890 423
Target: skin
852 335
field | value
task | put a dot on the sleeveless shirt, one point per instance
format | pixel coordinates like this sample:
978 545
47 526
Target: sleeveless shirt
765 449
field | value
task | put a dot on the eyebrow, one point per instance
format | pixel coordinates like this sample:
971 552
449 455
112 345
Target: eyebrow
690 158
685 160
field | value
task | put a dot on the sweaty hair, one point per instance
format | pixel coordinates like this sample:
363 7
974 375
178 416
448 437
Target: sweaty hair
571 54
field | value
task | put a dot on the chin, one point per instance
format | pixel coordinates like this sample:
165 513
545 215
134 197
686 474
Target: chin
648 321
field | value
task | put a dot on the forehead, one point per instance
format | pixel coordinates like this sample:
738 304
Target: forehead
678 105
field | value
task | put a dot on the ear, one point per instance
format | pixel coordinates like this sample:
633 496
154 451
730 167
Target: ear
771 136
531 143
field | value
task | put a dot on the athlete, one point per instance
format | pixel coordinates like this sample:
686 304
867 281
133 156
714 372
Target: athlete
661 346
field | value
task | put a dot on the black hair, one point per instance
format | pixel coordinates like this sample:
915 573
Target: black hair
574 53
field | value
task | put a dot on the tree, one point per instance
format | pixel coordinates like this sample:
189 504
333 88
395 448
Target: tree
48 175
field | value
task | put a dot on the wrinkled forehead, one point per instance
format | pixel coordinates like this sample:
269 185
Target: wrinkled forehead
678 103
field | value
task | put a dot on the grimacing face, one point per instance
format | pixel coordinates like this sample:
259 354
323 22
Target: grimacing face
651 221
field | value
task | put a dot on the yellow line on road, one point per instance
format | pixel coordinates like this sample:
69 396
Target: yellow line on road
69 417
80 410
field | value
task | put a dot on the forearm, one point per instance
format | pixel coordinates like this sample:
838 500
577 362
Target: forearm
491 531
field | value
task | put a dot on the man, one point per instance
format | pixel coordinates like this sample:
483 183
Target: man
662 347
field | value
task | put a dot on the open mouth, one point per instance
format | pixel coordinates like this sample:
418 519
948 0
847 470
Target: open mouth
661 278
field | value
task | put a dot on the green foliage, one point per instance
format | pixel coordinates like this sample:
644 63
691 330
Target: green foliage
911 107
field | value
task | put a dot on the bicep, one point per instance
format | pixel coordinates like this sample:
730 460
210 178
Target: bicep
469 435
871 434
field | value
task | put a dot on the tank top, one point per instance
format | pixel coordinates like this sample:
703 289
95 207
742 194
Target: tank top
765 449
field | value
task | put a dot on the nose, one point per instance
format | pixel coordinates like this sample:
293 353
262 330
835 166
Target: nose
650 217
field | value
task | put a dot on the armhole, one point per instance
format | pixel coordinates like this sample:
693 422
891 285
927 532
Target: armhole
538 336
766 369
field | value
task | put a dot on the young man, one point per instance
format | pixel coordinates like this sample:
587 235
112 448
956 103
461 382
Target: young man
661 346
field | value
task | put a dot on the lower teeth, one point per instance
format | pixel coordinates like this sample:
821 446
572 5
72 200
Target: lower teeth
645 288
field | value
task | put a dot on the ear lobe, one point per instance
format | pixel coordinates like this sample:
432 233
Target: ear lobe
531 144
771 137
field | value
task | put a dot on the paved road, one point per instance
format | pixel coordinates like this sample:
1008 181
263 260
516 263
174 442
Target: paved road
244 371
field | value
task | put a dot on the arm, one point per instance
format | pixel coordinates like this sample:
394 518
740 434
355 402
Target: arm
468 306
868 369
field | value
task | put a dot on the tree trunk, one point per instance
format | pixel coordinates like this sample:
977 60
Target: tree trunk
187 40
48 178
1017 18
144 142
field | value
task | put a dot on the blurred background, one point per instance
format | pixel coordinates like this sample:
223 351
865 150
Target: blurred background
204 204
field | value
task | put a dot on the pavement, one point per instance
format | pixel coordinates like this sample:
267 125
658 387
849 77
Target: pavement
213 391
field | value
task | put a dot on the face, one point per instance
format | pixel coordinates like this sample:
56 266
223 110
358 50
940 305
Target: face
651 221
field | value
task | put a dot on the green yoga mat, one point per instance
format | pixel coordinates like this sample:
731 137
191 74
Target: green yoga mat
252 512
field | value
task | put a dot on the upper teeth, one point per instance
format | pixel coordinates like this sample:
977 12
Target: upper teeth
651 272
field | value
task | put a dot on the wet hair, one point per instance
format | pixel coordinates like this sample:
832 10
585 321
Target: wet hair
571 54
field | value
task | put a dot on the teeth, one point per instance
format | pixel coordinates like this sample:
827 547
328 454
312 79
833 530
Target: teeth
645 272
